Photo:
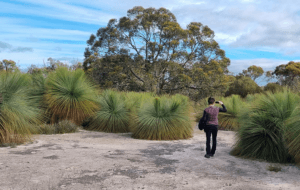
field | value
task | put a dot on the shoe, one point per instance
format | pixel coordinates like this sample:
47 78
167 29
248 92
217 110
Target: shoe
207 156
211 155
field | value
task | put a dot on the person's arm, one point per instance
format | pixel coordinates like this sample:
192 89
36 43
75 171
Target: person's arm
223 109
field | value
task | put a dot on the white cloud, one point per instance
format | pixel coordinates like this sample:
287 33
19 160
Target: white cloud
249 24
59 10
237 65
272 26
244 23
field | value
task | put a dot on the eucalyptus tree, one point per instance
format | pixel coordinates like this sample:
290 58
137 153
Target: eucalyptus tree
8 65
288 74
253 71
151 51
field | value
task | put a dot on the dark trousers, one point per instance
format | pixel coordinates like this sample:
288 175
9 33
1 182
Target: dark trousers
211 130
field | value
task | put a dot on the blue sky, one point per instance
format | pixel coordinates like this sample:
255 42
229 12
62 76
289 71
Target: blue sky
252 32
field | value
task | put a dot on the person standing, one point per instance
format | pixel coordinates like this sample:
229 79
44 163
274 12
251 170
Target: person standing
210 115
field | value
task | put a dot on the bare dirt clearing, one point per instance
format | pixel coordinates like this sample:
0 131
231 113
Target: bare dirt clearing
95 160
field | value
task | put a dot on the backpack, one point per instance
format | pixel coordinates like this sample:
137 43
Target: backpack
202 124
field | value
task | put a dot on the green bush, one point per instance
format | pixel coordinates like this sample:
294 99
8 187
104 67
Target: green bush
273 87
293 135
163 119
134 100
263 126
243 86
112 116
59 128
69 96
250 98
19 114
229 120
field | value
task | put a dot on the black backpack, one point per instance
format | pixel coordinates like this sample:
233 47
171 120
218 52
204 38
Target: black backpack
202 124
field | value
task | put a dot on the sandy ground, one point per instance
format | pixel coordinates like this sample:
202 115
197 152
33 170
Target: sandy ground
95 160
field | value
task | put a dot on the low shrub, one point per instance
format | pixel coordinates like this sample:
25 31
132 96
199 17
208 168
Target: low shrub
59 128
19 114
163 119
274 168
273 87
263 128
134 100
69 96
292 135
113 115
229 120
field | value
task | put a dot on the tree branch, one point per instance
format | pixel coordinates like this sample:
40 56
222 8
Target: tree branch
136 76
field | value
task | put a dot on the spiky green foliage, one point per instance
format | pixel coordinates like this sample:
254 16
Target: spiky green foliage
37 92
252 97
38 89
19 114
263 126
292 135
59 128
163 119
229 120
113 116
134 100
69 96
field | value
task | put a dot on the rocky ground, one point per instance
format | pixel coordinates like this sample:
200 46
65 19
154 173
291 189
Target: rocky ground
95 160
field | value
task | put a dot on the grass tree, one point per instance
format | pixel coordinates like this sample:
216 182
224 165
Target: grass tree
263 128
19 113
113 115
229 120
163 119
69 96
134 100
292 135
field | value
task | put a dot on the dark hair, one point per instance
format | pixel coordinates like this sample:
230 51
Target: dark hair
211 100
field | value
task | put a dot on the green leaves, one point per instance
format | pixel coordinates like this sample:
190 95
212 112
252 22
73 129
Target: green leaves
112 116
19 114
243 86
229 120
8 65
288 74
163 119
153 46
264 128
69 95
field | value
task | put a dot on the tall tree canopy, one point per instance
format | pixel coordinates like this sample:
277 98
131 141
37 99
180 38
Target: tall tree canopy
8 65
148 49
253 71
288 74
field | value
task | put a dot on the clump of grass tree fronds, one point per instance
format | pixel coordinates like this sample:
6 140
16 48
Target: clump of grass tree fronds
134 100
229 120
113 116
263 128
292 135
19 114
69 96
163 119
37 92
250 98
59 128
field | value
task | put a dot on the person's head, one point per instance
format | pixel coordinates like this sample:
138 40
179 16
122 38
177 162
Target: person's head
211 100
